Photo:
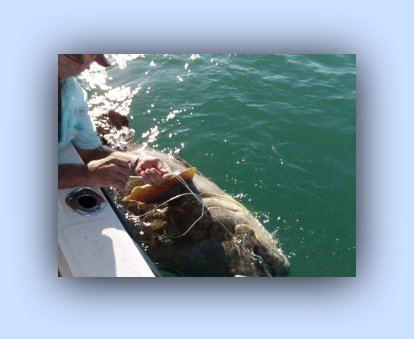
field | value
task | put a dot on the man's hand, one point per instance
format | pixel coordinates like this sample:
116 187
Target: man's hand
152 170
109 171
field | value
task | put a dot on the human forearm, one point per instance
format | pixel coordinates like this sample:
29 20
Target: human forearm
88 155
105 172
120 155
151 169
72 175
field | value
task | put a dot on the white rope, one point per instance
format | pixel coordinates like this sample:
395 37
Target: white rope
253 255
165 202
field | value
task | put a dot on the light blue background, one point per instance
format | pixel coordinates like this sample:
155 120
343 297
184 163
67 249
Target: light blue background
376 303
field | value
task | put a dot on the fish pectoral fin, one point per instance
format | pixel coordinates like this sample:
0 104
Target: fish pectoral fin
151 193
136 192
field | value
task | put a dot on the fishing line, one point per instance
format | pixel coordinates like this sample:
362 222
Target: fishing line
253 255
173 198
202 203
165 202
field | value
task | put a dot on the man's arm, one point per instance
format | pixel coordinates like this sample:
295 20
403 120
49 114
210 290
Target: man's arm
72 175
102 167
151 169
105 172
88 155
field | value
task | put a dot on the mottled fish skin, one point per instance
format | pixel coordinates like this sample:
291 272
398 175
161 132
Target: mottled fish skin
226 241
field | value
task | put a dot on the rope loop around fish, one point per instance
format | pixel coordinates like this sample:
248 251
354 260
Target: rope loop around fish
253 255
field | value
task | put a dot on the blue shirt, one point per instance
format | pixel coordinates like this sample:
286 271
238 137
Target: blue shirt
76 125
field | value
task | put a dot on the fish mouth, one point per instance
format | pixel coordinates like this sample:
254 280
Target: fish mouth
271 265
269 258
281 268
275 261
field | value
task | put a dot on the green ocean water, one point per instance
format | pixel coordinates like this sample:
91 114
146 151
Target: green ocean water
277 132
